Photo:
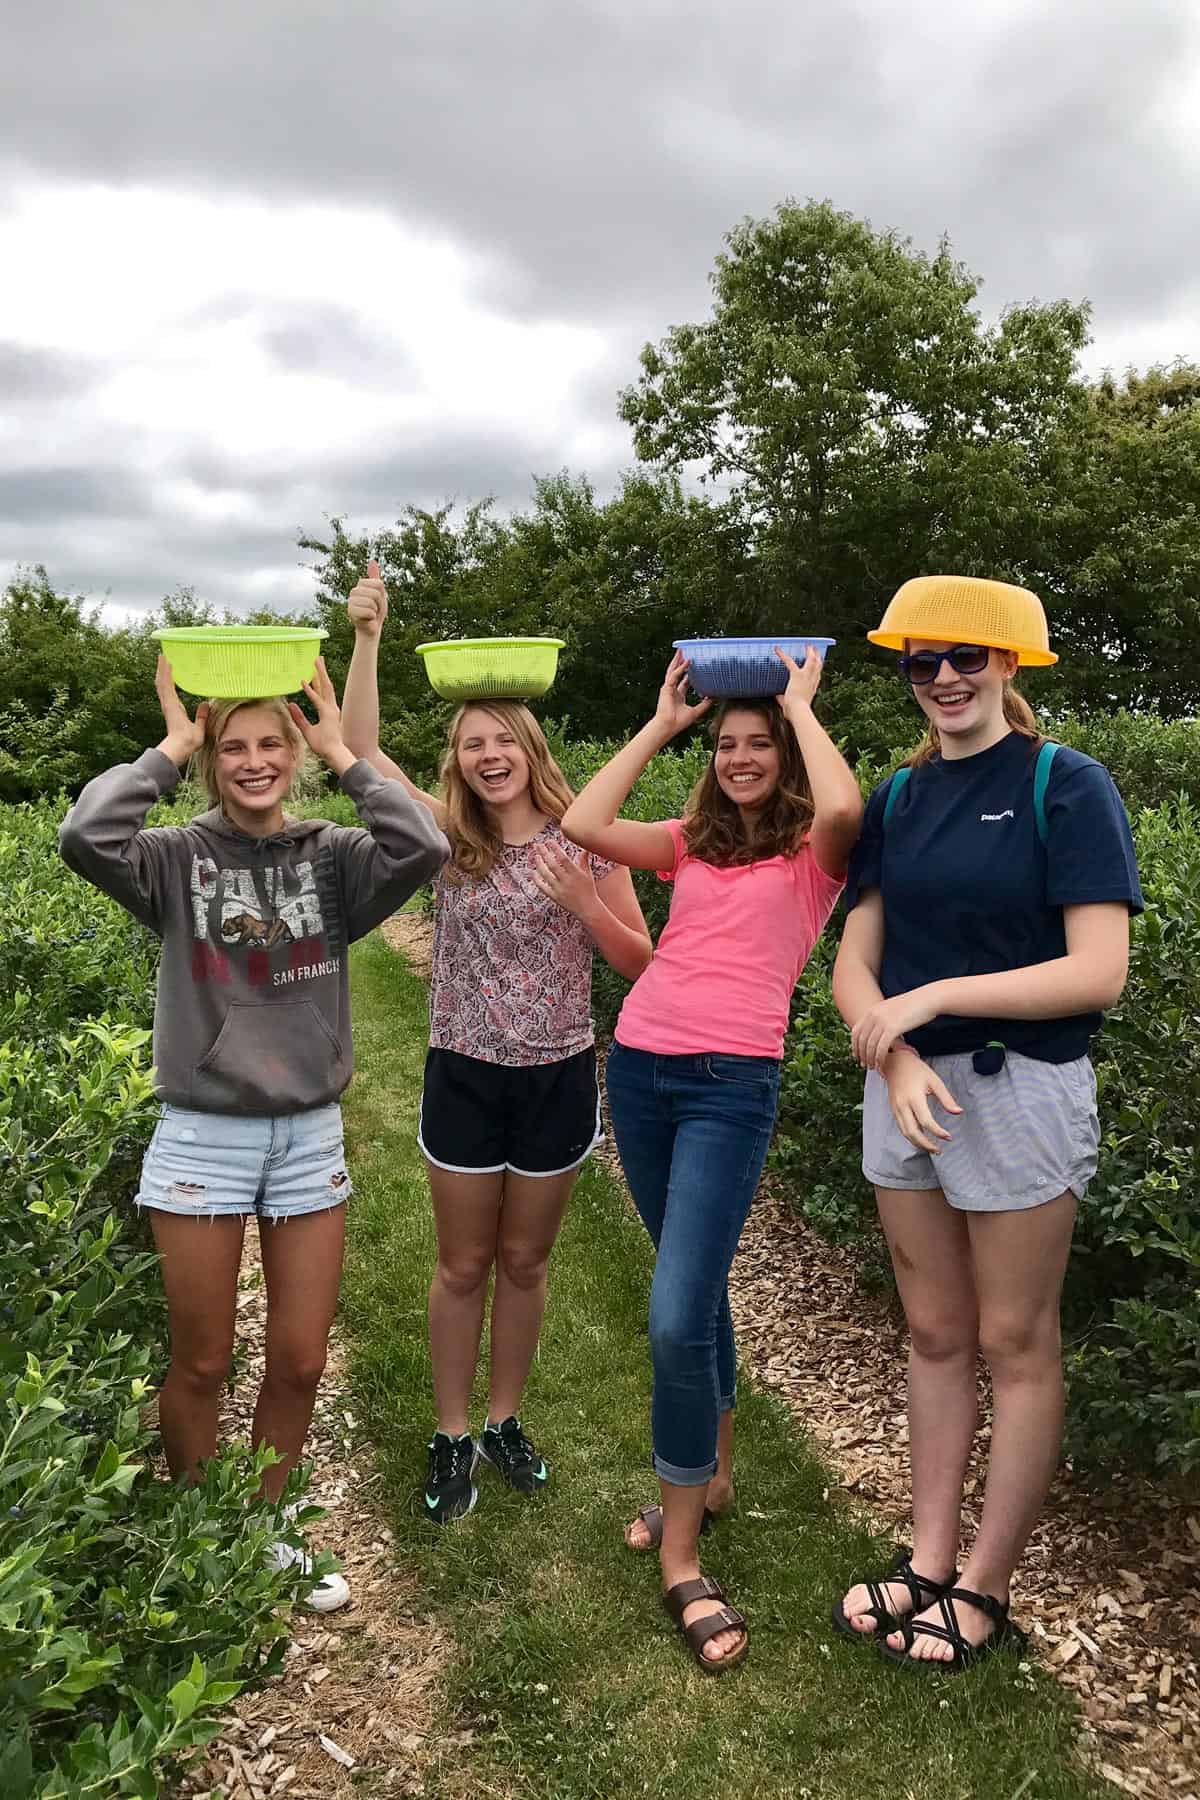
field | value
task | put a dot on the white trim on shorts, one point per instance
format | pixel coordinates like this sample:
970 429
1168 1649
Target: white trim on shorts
511 1168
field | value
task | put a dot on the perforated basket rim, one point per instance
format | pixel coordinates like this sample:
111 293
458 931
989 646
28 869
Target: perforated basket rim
531 643
239 634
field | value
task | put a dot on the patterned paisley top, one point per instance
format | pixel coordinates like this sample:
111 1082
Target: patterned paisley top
512 971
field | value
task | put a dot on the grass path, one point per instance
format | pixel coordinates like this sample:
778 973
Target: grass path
566 1668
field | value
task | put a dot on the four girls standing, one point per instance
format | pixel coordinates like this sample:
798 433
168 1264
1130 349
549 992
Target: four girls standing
989 896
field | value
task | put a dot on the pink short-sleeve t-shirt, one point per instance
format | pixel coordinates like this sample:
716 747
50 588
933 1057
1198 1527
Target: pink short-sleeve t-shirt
729 956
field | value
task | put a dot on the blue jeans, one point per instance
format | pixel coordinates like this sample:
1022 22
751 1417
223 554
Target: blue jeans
693 1133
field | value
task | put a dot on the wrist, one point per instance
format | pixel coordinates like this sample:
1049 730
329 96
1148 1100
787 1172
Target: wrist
339 758
177 753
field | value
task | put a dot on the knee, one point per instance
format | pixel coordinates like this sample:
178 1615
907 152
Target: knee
298 1367
1019 1346
463 1276
204 1369
523 1265
674 1337
944 1337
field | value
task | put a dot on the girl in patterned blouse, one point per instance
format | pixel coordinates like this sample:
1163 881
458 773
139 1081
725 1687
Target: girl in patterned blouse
510 1108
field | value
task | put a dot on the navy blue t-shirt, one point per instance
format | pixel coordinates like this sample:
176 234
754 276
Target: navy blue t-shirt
969 889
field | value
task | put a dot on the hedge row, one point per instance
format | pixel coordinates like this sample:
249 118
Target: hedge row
131 1610
1132 1303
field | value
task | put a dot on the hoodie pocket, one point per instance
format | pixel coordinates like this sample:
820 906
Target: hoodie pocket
281 1058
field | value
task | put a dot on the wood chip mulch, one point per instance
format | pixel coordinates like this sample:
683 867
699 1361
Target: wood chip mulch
1110 1586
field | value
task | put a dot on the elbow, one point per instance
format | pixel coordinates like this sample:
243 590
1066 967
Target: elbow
641 958
573 826
71 841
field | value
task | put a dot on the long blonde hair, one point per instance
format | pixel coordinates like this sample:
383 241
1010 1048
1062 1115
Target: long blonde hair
475 844
1018 713
219 714
715 826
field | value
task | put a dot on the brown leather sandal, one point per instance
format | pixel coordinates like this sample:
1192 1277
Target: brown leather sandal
652 1519
700 1631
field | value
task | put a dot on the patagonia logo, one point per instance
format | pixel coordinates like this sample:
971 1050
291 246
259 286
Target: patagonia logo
994 818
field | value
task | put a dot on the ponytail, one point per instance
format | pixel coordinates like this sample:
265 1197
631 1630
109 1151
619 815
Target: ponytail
1017 711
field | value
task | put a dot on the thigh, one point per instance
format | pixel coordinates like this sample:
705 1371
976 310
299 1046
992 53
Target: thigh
200 1259
1020 1260
531 1214
930 1246
644 1129
466 1214
302 1268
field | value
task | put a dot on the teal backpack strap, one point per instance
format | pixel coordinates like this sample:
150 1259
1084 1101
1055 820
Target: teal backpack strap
895 789
1041 776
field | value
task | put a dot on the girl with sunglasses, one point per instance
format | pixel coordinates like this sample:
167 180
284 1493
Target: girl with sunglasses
989 900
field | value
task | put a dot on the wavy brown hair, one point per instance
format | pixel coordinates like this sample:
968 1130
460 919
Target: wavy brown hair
1017 711
716 828
219 714
475 844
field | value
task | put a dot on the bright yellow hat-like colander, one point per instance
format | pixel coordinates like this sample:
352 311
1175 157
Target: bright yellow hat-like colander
963 609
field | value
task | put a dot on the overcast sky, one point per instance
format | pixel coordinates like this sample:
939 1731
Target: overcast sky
262 262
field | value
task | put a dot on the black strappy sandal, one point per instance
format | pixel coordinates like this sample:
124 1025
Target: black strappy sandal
921 1591
1004 1635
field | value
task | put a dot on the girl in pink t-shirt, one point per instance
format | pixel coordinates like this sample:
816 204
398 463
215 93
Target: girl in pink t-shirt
757 863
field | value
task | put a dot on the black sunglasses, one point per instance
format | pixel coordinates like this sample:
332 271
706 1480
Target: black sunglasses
965 659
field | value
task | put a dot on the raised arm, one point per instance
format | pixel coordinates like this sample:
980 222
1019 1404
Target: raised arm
101 837
591 819
368 608
837 802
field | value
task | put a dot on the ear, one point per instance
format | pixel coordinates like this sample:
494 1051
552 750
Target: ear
1010 662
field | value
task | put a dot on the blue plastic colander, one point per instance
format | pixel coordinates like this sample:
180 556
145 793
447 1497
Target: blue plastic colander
736 668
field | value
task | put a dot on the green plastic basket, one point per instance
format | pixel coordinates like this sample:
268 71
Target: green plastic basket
491 668
241 662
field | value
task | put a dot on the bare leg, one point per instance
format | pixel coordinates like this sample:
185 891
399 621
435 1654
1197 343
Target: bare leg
466 1212
719 1496
302 1265
1020 1259
200 1258
531 1213
931 1255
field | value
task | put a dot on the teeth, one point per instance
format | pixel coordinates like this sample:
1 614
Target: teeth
256 782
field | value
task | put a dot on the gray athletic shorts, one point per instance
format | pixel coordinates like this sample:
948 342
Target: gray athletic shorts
1024 1136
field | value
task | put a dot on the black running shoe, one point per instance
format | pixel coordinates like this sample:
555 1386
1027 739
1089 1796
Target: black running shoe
449 1491
507 1448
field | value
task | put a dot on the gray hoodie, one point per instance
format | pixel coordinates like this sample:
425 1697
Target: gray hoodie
253 1006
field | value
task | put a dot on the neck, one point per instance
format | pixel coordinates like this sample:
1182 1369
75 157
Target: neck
254 824
517 820
970 743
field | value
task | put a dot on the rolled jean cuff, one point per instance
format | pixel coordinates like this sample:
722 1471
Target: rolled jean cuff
684 1477
727 1403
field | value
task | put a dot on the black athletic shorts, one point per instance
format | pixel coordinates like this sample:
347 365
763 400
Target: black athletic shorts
480 1117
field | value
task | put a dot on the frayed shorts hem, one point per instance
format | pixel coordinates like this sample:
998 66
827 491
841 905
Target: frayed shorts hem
237 1209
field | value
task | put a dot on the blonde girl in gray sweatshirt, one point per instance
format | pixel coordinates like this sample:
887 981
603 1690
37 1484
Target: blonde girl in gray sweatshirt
252 1049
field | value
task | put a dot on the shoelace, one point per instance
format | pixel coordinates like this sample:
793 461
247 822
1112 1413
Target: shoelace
450 1459
516 1446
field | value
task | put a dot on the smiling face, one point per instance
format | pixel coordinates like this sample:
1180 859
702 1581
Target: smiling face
968 710
490 759
746 760
253 767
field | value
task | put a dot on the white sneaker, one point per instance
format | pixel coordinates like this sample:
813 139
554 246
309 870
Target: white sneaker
326 1595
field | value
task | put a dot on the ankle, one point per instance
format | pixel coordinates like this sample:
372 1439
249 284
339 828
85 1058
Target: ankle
980 1579
934 1558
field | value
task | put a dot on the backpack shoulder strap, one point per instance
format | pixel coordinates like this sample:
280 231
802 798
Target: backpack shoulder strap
1041 777
896 787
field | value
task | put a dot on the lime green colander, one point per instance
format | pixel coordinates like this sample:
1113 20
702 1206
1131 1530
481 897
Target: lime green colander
491 668
241 662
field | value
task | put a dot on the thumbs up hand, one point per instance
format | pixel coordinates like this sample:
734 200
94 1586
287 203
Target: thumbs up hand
367 604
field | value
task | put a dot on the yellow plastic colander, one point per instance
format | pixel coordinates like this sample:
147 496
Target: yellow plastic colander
965 609
241 662
463 669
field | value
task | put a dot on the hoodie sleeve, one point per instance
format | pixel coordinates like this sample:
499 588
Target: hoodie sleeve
400 850
101 837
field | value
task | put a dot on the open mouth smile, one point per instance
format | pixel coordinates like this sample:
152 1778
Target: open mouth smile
256 784
952 702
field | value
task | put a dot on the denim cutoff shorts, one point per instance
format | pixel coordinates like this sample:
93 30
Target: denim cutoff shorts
216 1165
